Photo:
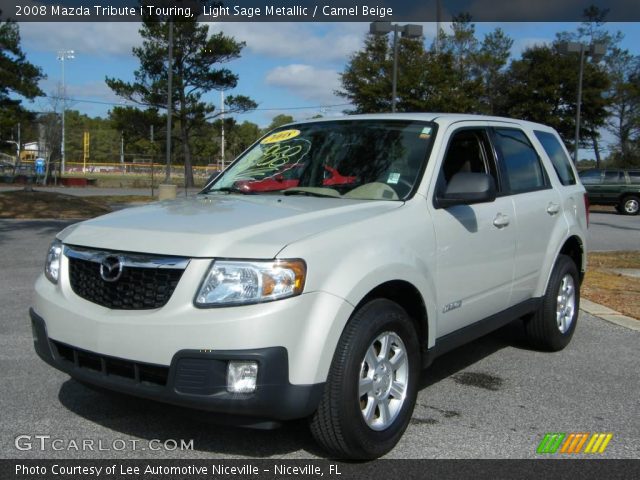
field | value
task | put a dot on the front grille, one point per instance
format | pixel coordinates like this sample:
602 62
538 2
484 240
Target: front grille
113 367
141 286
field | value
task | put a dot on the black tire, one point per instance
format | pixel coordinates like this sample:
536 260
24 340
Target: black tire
339 425
630 205
543 328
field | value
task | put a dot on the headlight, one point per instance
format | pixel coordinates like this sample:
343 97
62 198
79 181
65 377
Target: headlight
52 265
243 282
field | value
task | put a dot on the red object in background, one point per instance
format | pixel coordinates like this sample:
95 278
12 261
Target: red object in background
284 180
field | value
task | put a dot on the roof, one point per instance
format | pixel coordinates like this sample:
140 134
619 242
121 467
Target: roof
441 118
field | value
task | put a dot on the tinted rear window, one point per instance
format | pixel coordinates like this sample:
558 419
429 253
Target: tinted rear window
559 159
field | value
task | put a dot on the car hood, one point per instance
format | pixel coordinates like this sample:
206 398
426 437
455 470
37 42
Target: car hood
216 225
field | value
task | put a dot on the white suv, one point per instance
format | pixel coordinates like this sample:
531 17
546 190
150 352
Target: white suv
322 270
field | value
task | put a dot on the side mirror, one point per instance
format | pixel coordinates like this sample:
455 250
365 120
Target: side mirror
466 188
279 178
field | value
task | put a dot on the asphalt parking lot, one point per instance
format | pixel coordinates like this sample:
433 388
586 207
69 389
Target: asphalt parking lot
494 398
611 231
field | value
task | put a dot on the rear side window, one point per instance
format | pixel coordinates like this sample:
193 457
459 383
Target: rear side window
634 177
590 177
612 176
559 159
521 163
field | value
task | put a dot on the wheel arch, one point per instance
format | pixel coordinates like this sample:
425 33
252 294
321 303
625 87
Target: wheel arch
573 248
411 300
624 197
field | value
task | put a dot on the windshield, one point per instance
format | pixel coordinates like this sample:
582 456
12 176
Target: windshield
358 159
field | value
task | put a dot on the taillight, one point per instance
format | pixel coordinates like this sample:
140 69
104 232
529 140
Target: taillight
586 208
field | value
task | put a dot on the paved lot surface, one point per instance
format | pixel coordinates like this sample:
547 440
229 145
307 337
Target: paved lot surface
491 399
611 231
91 191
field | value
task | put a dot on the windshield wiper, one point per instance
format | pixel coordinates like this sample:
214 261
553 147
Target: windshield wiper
310 193
232 189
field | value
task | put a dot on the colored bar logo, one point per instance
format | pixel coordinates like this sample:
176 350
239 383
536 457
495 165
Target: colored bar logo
574 443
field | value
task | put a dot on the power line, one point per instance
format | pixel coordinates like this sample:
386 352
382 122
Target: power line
133 104
314 107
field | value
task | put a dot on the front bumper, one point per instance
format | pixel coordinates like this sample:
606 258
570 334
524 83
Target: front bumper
194 379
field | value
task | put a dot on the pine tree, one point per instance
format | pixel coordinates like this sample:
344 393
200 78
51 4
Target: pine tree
197 69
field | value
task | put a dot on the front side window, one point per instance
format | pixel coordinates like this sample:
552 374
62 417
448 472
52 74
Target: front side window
356 159
469 150
521 163
634 177
558 157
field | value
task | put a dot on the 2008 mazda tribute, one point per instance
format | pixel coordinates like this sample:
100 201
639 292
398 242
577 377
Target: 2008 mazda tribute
324 300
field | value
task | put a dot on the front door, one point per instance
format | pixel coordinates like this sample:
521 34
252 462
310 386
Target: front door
475 243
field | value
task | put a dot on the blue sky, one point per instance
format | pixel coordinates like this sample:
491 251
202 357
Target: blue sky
285 66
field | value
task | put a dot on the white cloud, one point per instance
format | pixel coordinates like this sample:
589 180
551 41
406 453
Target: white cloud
334 42
328 42
297 40
89 38
306 81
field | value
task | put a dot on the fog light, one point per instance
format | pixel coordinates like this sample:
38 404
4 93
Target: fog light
241 377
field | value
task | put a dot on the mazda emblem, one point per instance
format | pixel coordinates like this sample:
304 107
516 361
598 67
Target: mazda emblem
111 268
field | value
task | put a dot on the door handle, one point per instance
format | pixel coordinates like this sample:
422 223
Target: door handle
553 208
501 220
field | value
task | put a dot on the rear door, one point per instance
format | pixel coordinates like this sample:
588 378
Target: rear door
538 207
613 183
475 243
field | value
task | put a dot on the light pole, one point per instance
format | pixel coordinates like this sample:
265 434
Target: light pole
222 127
63 56
409 31
169 100
595 51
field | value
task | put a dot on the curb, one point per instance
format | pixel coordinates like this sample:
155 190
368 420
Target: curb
609 315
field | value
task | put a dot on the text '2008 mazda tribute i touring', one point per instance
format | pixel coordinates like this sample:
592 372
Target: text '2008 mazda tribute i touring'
325 297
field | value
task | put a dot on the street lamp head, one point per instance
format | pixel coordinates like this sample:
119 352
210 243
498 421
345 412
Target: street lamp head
380 28
595 50
412 31
569 47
